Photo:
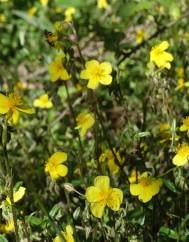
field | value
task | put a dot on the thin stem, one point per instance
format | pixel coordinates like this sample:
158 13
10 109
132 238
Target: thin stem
103 230
9 174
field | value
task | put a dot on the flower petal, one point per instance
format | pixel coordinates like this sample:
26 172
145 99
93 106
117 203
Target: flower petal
62 170
97 209
115 199
93 83
93 194
135 189
106 66
58 157
106 80
102 182
4 104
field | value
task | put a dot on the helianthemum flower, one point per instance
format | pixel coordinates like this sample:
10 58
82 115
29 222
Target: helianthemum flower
146 188
160 57
102 4
43 102
84 122
57 70
69 13
97 73
185 126
101 195
12 105
68 235
109 156
55 167
182 155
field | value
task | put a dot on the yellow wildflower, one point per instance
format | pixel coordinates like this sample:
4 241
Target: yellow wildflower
146 188
43 102
180 72
2 18
31 11
185 126
54 165
8 227
57 70
68 235
160 57
44 2
97 73
69 12
102 4
140 35
101 195
109 156
181 84
182 155
12 105
84 122
18 195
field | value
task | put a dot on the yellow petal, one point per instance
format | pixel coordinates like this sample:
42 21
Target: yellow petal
17 195
135 189
145 195
15 116
58 157
97 209
106 66
4 104
91 64
115 199
163 45
26 110
64 75
106 80
102 182
84 74
180 160
62 170
155 187
93 194
93 83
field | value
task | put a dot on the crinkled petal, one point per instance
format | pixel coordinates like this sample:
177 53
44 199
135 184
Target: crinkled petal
93 83
91 64
155 187
102 182
163 45
115 199
93 194
15 116
145 195
84 74
97 209
179 160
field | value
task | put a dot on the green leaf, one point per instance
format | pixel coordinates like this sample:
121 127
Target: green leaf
3 239
33 220
171 186
142 134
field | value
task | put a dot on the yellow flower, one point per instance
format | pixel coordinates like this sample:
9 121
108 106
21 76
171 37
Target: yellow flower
135 176
43 102
31 11
182 155
8 227
101 195
2 18
185 126
102 4
140 36
18 195
57 70
109 156
68 235
84 122
160 57
12 105
146 188
44 2
97 73
181 84
180 72
69 12
54 165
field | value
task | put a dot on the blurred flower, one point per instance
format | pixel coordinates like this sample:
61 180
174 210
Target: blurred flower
185 126
109 156
18 195
102 4
68 235
54 165
57 70
31 11
84 122
101 195
20 85
160 57
8 227
2 18
181 84
43 102
135 176
182 155
146 188
59 9
44 2
12 105
69 12
97 73
180 72
140 35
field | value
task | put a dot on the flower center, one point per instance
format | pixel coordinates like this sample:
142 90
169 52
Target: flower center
145 181
15 100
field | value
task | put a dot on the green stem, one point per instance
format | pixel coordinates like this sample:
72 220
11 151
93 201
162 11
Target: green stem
9 174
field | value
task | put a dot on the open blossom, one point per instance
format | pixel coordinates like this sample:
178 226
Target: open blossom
109 156
185 126
146 187
182 155
43 102
12 105
160 57
55 167
44 2
68 235
97 73
101 195
102 4
69 13
57 70
84 122
18 195
8 226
